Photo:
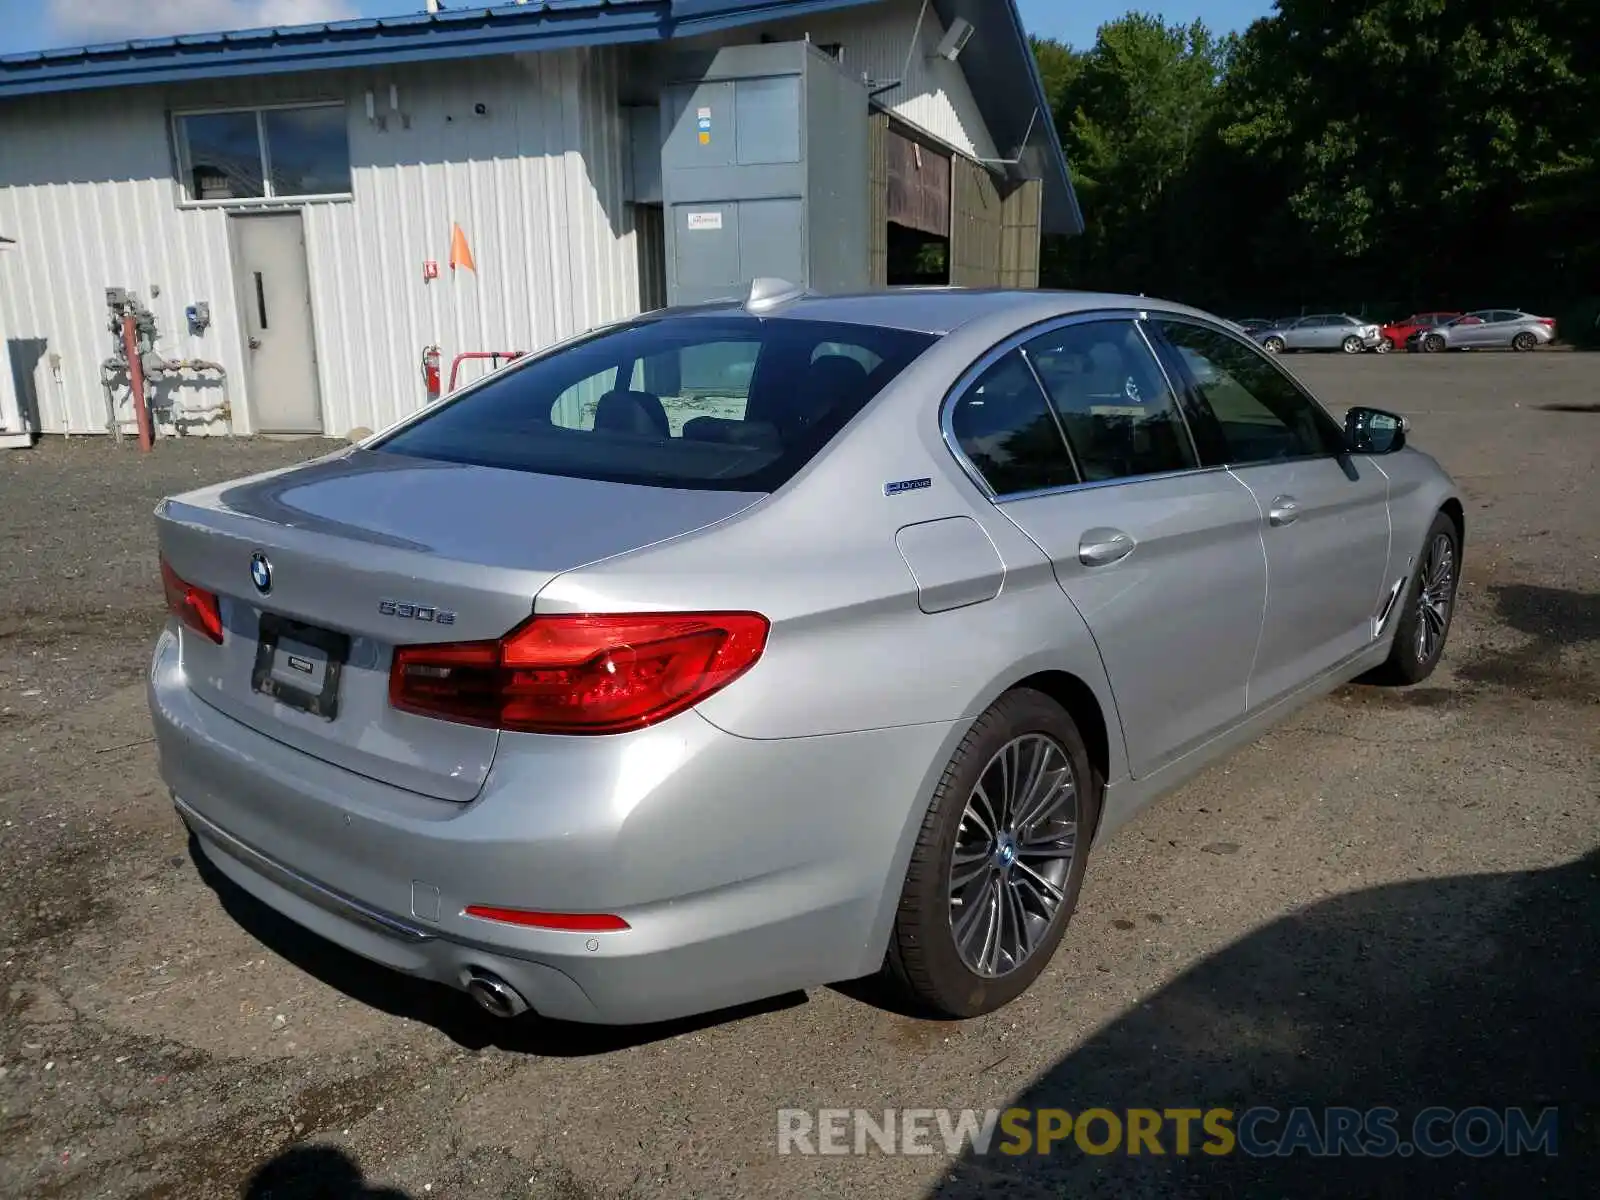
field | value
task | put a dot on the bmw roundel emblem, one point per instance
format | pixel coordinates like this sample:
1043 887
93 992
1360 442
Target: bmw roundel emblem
261 572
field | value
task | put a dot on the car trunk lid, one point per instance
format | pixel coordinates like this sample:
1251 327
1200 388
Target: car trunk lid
379 549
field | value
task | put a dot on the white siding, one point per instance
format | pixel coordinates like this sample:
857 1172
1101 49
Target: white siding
537 184
86 188
933 93
537 188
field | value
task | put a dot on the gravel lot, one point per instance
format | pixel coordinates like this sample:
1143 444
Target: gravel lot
1393 900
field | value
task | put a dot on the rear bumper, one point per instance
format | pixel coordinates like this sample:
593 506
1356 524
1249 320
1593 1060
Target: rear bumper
744 868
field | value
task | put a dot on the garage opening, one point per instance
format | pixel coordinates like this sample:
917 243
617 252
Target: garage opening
917 259
911 195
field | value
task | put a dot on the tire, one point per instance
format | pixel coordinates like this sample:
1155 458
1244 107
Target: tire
1524 341
1411 658
1433 344
1351 345
925 965
1384 346
1273 345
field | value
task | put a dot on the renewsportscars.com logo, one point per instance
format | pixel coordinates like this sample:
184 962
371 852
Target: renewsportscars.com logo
1260 1132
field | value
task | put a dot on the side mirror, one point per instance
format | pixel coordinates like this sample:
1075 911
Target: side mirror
1373 431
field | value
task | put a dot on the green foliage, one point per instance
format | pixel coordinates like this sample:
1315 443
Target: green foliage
1448 150
1135 113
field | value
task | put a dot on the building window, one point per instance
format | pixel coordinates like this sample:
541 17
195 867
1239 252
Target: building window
264 154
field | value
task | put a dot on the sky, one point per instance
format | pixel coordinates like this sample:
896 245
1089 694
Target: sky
33 24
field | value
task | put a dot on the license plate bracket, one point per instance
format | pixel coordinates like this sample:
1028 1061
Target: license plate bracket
299 665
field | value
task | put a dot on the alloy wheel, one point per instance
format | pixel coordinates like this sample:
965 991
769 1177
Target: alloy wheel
1435 596
1014 852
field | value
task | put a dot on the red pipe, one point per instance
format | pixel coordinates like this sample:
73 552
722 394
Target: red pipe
141 413
496 355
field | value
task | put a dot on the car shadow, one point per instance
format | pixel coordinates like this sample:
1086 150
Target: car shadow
449 1011
1471 990
1552 620
314 1173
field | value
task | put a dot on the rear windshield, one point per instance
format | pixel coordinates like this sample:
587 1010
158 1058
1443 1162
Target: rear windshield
730 403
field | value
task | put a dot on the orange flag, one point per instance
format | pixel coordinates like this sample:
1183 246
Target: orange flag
460 252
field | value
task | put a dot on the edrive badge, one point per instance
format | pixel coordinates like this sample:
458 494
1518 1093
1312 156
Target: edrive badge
261 572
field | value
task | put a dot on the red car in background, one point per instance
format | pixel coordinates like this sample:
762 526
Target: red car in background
1396 332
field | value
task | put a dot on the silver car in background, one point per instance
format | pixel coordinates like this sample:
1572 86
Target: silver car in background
741 649
1325 331
1488 328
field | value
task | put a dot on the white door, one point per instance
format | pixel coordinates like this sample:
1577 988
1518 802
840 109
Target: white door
269 258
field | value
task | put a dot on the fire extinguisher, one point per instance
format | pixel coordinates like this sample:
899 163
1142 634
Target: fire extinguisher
430 371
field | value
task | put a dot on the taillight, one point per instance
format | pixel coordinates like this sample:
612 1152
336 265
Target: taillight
195 607
579 673
1547 322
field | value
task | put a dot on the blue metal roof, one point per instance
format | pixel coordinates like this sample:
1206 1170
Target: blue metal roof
999 61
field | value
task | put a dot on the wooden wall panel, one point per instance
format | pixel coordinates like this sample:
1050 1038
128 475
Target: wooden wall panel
919 185
1019 246
976 225
878 200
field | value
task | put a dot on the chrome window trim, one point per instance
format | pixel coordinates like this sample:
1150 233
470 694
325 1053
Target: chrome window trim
1016 341
1014 497
1172 389
1050 407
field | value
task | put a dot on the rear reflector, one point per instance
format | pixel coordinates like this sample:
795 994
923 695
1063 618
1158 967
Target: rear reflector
195 607
579 673
573 922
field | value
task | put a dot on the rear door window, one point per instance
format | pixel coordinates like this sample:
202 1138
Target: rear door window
726 402
1116 410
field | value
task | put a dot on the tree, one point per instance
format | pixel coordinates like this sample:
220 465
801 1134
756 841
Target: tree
1134 113
1428 152
1404 136
1059 68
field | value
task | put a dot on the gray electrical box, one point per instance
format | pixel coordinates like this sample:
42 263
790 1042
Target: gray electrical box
764 173
644 154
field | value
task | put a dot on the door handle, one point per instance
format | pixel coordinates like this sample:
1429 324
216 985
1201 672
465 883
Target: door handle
1283 511
1102 546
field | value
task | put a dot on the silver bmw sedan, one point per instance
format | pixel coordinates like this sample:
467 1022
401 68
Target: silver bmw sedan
735 650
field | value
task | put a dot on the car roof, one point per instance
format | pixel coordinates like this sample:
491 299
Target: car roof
937 310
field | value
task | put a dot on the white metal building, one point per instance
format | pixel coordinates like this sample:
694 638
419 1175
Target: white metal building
299 187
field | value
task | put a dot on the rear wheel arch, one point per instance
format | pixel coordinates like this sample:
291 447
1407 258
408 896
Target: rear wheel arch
927 967
1083 706
1097 723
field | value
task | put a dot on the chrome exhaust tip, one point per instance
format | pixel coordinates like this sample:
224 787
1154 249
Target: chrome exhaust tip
494 995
